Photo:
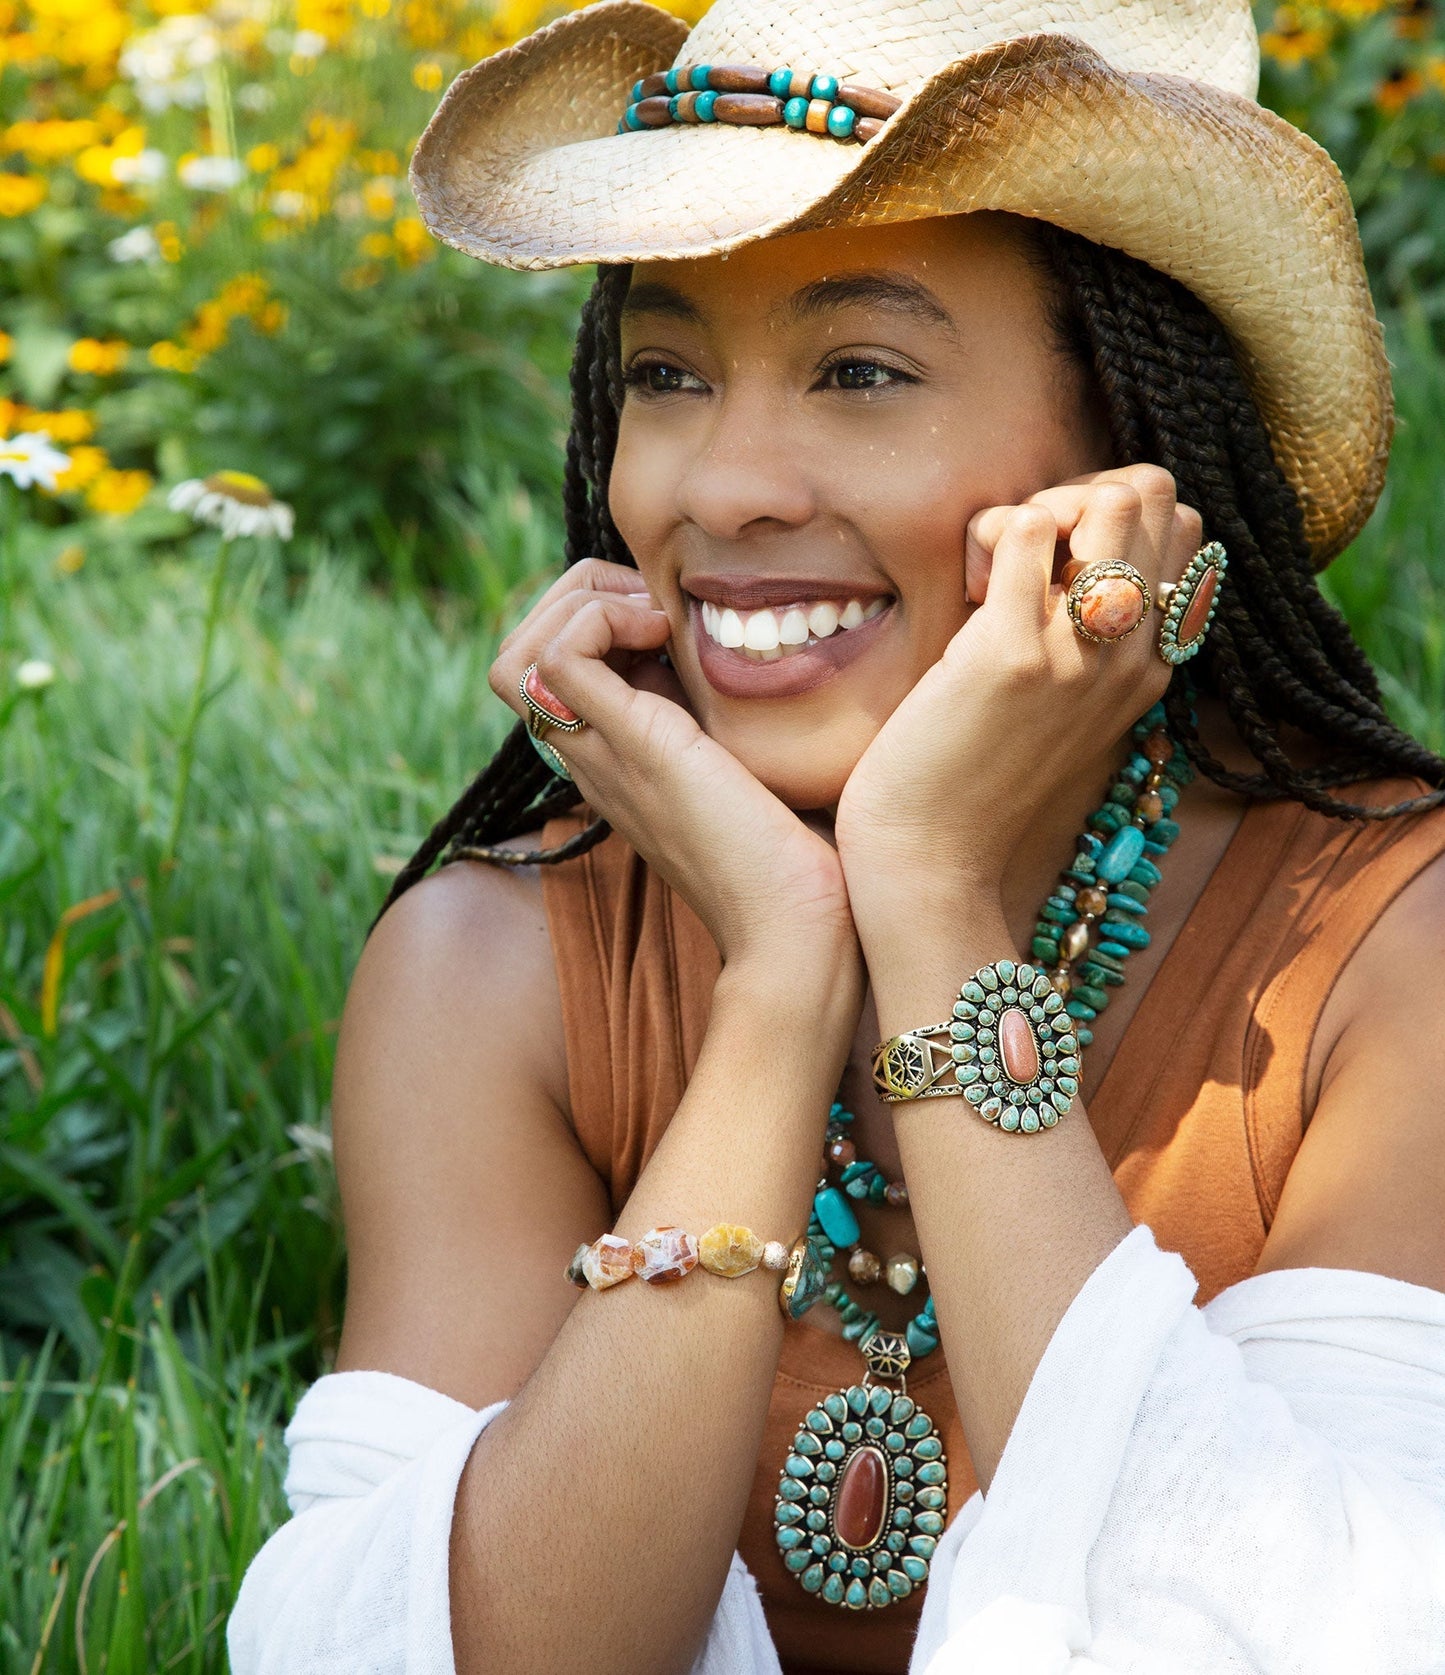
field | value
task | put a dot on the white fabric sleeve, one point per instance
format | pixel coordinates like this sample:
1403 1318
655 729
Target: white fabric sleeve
1257 1486
358 1579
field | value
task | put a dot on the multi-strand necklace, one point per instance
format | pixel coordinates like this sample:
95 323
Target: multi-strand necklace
862 1496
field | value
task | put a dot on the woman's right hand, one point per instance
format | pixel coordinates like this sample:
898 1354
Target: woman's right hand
751 870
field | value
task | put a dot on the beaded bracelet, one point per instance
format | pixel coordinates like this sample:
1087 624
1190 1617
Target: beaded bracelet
747 96
666 1254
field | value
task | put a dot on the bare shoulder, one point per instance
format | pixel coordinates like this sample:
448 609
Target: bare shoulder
1366 1185
454 1150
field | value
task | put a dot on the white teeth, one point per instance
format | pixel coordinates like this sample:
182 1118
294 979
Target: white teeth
793 630
822 620
767 635
760 631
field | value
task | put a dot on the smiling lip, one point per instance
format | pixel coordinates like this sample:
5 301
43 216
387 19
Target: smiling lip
756 593
736 676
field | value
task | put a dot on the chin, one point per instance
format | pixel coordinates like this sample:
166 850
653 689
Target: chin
800 778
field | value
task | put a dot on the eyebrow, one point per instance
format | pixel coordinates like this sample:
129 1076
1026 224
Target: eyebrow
889 292
892 293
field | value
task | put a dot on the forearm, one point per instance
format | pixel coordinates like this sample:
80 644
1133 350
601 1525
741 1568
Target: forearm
620 1474
1010 1225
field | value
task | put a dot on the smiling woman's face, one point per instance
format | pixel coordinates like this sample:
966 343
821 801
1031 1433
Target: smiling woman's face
809 425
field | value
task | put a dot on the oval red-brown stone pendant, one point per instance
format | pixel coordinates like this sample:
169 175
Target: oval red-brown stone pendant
1017 1045
862 1499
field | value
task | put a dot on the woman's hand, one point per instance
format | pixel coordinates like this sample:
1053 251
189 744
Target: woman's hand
942 796
757 877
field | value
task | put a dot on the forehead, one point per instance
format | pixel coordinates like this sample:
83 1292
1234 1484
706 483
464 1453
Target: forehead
936 272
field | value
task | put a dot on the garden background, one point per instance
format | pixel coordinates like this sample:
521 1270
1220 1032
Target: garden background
209 261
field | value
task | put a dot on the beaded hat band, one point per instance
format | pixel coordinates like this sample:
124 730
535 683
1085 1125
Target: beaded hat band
750 97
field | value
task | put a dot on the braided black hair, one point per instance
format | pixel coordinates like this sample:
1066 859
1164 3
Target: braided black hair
1173 395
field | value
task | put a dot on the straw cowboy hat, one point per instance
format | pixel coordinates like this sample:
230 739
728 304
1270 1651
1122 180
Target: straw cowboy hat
1130 122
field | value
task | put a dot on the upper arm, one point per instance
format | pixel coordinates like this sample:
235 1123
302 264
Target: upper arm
463 1186
1367 1186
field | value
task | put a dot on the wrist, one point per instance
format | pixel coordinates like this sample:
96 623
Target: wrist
917 970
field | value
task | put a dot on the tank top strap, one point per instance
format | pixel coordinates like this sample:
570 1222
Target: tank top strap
635 974
1344 875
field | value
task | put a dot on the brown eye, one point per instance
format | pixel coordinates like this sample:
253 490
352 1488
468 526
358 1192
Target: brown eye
658 378
858 373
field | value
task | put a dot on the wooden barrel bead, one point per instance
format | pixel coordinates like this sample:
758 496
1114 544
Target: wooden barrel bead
684 108
866 127
737 78
654 112
816 120
867 101
649 87
801 85
749 110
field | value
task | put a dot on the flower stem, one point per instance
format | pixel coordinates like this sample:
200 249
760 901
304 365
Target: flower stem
186 753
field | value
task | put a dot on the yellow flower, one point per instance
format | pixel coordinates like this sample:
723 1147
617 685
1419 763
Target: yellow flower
1398 89
20 193
261 159
427 75
413 241
7 347
118 493
169 241
270 317
98 357
69 560
379 197
72 425
49 140
96 163
170 357
86 464
376 245
1356 10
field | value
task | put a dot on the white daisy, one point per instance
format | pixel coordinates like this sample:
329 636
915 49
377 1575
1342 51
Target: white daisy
211 174
34 674
138 245
144 169
29 458
234 502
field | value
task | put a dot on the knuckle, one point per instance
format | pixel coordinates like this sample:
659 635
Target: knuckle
1191 525
1120 500
1153 482
1031 520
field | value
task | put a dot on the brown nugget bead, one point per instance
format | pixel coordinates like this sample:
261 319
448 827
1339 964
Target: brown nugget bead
866 127
867 101
654 84
1149 807
1158 747
817 122
654 113
897 1194
687 107
864 1266
842 1152
1091 900
737 78
748 110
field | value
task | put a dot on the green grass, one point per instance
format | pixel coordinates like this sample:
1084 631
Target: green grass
170 1261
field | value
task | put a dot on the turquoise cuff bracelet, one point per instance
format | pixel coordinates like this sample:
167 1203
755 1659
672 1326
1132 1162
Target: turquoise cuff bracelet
748 96
1014 1046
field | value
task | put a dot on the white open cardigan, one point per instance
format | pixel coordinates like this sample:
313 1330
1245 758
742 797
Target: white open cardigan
1255 1486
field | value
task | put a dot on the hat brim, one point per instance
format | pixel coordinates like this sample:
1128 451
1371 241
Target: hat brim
522 166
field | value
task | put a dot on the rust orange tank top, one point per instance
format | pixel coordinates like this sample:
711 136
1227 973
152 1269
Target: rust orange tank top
1199 1114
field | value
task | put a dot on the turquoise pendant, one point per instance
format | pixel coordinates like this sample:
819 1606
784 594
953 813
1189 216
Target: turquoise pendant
862 1497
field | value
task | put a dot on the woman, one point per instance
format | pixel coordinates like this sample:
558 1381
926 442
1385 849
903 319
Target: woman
878 467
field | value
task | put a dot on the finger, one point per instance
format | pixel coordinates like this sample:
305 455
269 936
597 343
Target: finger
1012 549
1132 507
573 663
586 577
542 624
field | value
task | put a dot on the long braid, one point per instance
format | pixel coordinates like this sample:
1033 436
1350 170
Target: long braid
516 791
1277 651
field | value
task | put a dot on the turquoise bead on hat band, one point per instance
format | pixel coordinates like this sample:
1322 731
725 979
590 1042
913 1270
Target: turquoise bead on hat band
747 96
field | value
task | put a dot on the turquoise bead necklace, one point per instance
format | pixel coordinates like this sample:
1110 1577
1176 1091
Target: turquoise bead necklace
862 1495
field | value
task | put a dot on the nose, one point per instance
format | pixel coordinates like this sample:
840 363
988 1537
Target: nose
745 479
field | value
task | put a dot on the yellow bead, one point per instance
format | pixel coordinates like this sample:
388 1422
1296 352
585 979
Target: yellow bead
730 1251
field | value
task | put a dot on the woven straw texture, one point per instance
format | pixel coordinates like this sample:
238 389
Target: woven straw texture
1133 124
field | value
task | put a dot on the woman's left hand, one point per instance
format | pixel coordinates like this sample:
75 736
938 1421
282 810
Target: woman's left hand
940 799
